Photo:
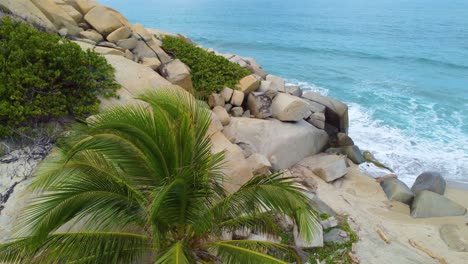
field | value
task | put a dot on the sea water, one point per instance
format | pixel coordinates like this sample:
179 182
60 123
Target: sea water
400 65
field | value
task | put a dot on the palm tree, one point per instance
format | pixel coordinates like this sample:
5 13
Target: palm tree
139 184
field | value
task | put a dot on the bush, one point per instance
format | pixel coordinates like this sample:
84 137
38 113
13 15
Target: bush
210 73
43 77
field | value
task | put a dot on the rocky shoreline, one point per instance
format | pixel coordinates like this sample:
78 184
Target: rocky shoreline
261 125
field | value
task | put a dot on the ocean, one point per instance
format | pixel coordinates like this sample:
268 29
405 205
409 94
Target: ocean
400 65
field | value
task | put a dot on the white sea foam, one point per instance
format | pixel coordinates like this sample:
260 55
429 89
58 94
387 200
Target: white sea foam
407 154
308 86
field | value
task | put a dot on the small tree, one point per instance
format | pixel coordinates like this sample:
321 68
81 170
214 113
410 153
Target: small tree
141 185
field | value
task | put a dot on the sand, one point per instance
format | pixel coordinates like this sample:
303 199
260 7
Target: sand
363 200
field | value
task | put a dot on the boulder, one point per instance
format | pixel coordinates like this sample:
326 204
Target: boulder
235 167
119 34
92 35
129 55
226 93
246 113
293 90
336 112
83 45
238 60
153 63
336 236
84 6
108 51
57 16
286 107
237 111
317 119
103 20
329 222
222 115
396 190
259 104
315 107
265 86
129 43
248 84
151 48
284 144
254 68
228 107
71 11
28 11
107 44
277 83
215 125
259 164
317 240
429 181
237 98
215 99
178 73
353 153
343 140
141 32
431 204
327 167
134 79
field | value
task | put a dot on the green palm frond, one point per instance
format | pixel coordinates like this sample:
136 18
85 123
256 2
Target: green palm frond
174 255
246 251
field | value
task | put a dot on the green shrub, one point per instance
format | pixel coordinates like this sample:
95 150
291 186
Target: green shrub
43 76
210 73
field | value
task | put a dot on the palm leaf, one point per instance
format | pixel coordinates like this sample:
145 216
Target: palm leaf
174 255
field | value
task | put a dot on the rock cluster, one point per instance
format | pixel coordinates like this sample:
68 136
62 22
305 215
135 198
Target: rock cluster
425 196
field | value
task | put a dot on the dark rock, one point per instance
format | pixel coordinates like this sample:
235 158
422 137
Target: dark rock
353 153
430 181
336 236
343 140
431 204
259 105
396 190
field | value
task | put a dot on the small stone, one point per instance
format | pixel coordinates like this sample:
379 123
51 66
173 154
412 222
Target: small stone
396 190
237 98
215 99
63 32
277 83
222 115
226 93
329 222
431 204
237 111
336 235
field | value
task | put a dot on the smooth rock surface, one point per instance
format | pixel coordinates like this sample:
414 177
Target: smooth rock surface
215 99
222 115
431 204
129 43
178 73
259 164
92 35
151 62
237 111
397 190
237 98
454 237
248 84
430 181
119 34
29 11
86 5
226 93
57 16
293 90
103 20
276 83
286 107
327 167
284 144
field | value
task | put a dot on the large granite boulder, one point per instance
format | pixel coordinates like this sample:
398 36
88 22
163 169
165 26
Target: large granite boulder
327 167
150 49
84 6
222 115
253 67
431 204
120 33
141 32
29 11
248 84
259 104
430 181
286 107
284 144
103 20
52 10
259 164
336 112
276 83
178 73
317 119
397 190
92 35
70 10
235 168
134 79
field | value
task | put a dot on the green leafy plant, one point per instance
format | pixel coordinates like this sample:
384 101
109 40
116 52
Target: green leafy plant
210 73
141 185
43 76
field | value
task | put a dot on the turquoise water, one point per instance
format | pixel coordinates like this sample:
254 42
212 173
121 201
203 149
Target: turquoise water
402 66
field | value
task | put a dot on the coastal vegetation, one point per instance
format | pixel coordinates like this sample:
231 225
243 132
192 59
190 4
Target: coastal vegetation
210 72
140 183
44 76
